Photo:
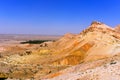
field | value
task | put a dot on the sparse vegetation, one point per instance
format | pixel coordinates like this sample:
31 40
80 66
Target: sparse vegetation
112 62
34 41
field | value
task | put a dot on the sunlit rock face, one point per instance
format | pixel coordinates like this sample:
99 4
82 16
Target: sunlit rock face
117 28
98 41
95 46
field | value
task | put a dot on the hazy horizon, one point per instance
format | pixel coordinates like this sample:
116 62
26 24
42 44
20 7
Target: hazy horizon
55 17
31 34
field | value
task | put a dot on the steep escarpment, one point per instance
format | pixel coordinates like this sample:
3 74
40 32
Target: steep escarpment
97 42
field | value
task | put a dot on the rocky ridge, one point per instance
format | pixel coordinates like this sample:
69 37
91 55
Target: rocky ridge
97 42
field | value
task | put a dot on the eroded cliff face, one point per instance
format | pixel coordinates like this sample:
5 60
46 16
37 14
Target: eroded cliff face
98 41
104 69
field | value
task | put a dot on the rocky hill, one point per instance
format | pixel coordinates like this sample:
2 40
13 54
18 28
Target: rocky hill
93 49
82 56
96 42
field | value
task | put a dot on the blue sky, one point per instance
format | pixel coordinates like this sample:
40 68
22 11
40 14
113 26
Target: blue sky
55 17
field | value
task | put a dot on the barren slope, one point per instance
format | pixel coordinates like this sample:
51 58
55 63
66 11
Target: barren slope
97 42
88 50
